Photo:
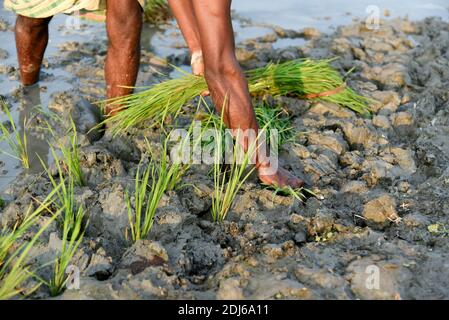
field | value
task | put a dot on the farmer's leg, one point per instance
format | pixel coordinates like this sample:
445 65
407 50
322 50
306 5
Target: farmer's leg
225 78
185 16
31 41
124 25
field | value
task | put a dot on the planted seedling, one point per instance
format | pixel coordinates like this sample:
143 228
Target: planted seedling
14 271
17 142
72 235
158 177
227 183
70 150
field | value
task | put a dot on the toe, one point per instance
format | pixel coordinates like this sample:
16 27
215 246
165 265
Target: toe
296 183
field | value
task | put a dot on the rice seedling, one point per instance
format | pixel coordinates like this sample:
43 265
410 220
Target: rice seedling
226 190
147 197
142 217
65 198
72 235
304 78
158 177
301 194
69 151
9 237
228 184
71 225
271 117
13 271
11 280
71 157
17 142
288 191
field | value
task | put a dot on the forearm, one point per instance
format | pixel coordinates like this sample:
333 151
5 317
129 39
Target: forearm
185 16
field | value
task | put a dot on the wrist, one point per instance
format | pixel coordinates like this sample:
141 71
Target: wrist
196 56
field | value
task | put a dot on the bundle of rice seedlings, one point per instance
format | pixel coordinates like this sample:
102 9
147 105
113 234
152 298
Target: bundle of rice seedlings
17 143
14 270
304 78
275 118
157 102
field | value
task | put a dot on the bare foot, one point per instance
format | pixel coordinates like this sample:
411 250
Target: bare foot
282 178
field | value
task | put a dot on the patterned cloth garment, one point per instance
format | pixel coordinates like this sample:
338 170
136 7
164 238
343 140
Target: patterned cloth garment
48 8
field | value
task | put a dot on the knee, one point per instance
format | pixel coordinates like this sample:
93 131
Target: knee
124 34
124 24
28 25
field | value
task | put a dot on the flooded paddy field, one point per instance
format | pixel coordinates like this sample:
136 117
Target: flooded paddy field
382 182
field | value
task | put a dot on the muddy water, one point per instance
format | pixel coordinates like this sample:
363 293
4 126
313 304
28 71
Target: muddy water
294 14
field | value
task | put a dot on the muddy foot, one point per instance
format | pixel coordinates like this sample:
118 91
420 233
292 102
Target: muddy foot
31 97
282 178
87 117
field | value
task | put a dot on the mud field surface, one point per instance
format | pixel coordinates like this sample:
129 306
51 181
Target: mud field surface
380 182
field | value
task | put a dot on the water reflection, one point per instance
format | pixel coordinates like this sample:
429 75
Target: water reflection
37 145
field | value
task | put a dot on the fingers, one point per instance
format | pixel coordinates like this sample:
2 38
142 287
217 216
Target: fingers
197 63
